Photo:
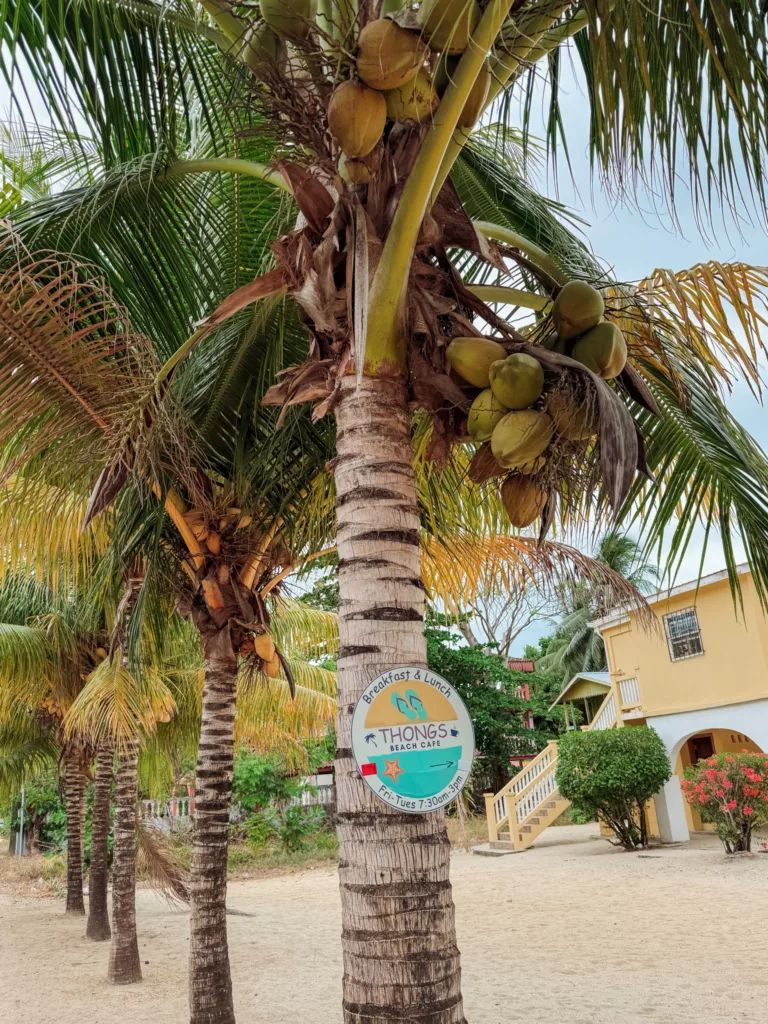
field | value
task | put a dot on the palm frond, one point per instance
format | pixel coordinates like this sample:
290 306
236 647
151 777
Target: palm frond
75 59
156 861
116 706
269 719
70 367
677 94
302 631
23 755
26 670
456 569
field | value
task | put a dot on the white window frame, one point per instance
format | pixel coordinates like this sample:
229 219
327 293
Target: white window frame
692 637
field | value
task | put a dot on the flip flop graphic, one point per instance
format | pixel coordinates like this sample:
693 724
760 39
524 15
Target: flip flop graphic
417 705
402 705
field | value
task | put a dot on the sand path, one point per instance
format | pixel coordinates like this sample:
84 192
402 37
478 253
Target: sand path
567 933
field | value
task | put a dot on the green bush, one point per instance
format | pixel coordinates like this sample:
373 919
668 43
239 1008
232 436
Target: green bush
612 773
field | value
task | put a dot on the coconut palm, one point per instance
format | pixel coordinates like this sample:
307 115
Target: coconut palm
204 143
47 643
575 645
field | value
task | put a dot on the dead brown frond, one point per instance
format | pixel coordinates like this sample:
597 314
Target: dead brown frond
71 366
457 569
157 862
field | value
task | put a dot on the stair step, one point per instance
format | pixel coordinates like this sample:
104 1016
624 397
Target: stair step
495 850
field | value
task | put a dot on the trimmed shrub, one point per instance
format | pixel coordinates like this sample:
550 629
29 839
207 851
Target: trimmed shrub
611 774
731 792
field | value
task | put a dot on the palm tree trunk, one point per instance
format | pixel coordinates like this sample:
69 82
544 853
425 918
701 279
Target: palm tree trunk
401 961
124 963
210 983
74 796
14 824
98 912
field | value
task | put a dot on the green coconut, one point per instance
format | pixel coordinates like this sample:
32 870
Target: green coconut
471 358
523 500
291 19
485 413
573 420
415 101
448 24
520 437
263 48
577 308
517 381
603 350
388 56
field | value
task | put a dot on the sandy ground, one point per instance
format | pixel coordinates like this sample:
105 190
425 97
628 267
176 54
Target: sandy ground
570 932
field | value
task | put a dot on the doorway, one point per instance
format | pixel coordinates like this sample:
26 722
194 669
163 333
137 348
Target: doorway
701 747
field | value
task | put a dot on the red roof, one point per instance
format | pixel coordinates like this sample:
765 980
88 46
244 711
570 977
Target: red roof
521 665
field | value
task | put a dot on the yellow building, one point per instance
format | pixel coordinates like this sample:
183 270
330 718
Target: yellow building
699 678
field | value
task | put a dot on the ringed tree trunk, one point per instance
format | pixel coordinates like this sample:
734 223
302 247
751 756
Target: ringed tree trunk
14 825
34 835
210 982
401 961
98 911
124 963
74 796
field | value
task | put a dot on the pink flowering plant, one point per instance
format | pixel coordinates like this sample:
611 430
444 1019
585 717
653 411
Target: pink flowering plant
730 791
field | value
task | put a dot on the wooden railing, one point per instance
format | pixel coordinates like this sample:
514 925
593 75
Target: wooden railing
515 802
630 693
606 716
522 801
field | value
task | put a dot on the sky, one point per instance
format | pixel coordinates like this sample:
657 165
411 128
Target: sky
633 242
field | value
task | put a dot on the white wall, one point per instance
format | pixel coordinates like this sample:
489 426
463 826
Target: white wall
749 718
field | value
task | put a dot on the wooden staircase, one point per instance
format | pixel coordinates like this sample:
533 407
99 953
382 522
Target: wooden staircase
531 801
519 813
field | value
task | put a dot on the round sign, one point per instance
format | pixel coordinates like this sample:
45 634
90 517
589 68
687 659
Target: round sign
413 740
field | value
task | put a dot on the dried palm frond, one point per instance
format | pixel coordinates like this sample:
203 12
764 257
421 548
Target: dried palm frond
155 859
460 568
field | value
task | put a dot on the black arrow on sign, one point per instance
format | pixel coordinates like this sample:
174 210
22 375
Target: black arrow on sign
445 764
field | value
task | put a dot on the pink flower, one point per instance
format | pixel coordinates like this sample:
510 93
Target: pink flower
702 798
728 758
731 804
748 810
721 792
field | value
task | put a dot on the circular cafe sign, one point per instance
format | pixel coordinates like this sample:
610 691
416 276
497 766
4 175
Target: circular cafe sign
413 740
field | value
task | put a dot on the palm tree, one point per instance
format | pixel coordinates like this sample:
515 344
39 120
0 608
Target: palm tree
575 645
197 150
98 869
46 640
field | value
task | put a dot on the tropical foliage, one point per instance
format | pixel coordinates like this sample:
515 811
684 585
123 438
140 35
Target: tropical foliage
575 646
612 773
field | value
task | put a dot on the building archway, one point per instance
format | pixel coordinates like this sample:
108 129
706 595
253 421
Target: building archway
688 736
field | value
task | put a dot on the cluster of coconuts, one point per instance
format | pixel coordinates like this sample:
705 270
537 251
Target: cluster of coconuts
262 646
399 74
512 409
